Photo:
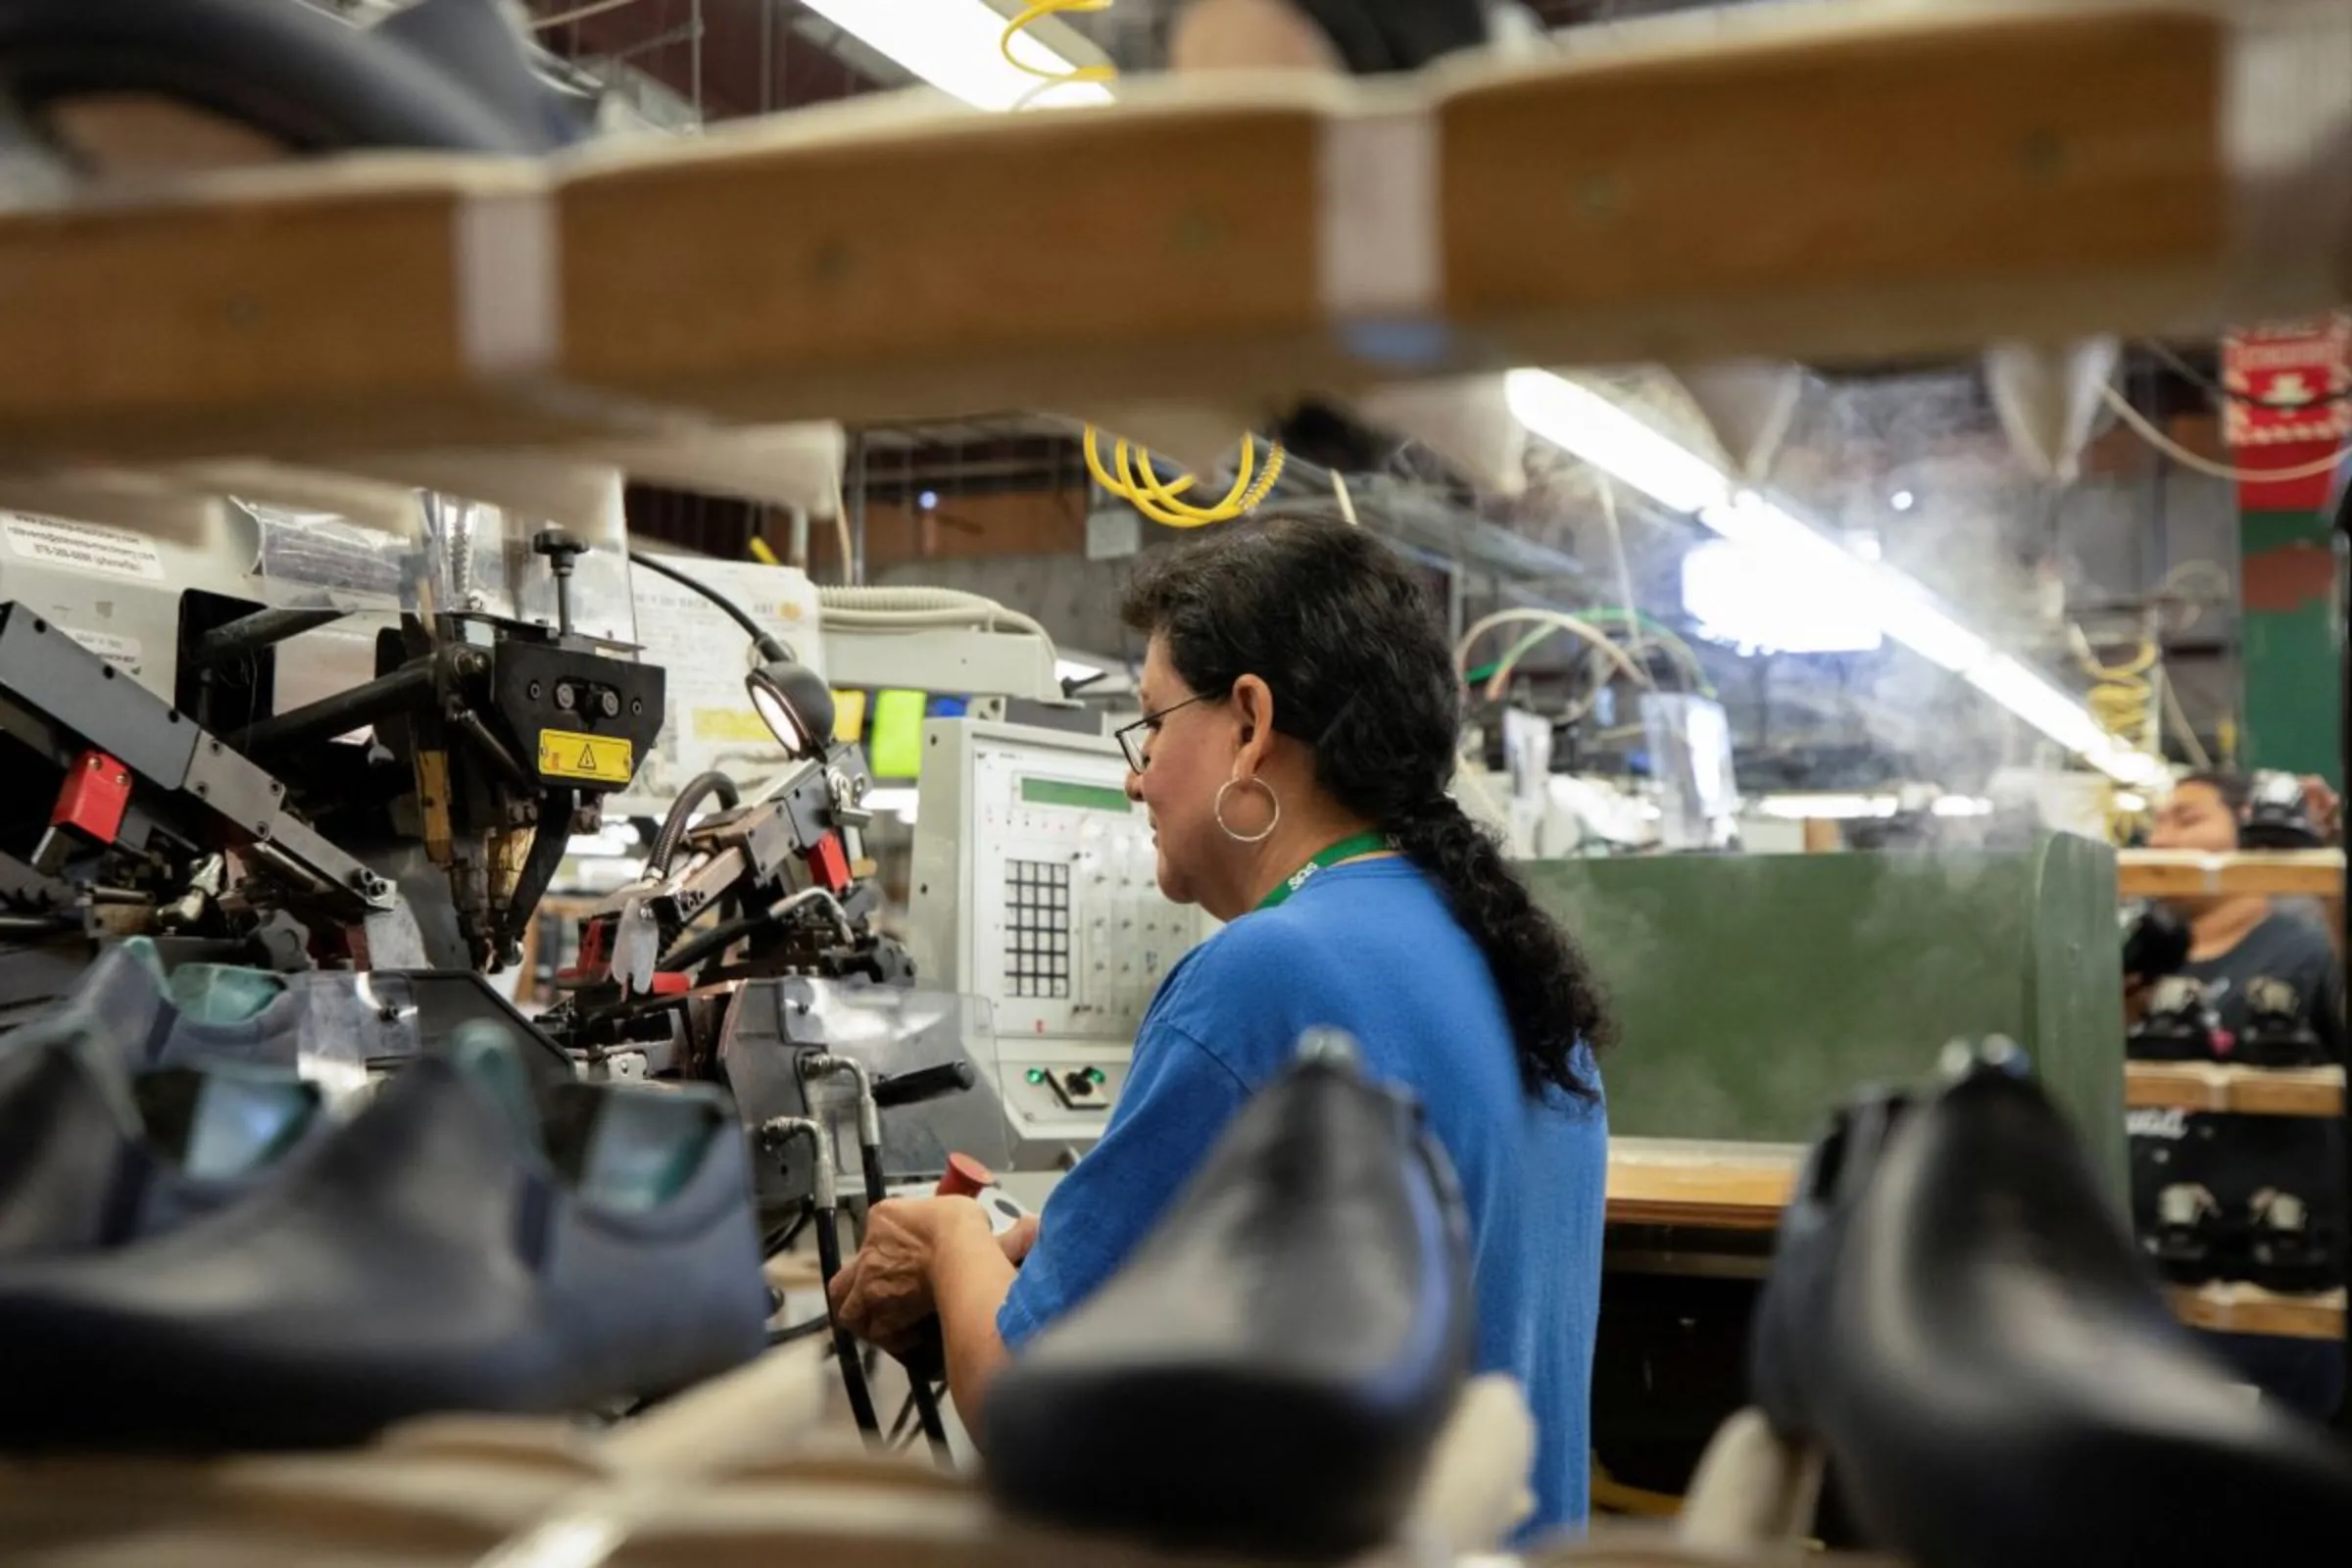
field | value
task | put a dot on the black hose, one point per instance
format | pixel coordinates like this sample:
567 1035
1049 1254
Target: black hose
799 1331
673 831
764 640
845 1349
918 1390
703 945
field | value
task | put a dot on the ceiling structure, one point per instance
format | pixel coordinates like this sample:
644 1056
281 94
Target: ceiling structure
1983 534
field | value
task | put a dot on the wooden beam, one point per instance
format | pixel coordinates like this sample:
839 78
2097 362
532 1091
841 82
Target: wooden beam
1854 186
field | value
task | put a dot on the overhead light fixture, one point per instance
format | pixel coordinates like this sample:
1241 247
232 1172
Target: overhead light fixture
1961 805
1824 807
958 46
1902 501
1591 426
1753 597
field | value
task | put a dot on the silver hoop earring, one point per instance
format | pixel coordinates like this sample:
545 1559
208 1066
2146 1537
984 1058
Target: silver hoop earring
1272 800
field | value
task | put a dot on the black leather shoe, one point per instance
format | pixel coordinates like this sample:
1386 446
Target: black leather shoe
456 78
427 1255
1269 1370
2180 1025
2187 1240
1381 36
1998 1383
2287 1249
2275 1033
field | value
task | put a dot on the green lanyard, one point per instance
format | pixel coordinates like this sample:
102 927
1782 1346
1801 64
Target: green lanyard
1348 849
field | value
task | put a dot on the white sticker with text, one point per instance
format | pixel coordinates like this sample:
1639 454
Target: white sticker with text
121 652
83 546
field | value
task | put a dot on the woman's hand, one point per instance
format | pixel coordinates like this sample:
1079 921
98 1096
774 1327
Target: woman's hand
885 1294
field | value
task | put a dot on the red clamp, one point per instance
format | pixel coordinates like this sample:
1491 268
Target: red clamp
596 954
829 863
94 798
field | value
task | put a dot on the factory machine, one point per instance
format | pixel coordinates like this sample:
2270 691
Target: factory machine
1034 887
297 742
1036 932
356 751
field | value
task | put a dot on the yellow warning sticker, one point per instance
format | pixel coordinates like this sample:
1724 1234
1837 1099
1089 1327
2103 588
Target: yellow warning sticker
598 758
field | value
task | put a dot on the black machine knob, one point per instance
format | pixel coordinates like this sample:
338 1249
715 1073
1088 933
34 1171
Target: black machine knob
561 547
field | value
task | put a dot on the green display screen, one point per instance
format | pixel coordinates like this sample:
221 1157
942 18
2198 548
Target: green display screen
1085 797
894 744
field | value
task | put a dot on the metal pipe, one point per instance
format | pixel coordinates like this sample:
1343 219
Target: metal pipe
330 717
262 629
823 1064
469 724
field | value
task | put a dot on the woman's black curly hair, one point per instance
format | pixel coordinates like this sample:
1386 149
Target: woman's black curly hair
1330 618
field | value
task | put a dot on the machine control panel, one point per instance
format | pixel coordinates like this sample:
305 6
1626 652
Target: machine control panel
1036 886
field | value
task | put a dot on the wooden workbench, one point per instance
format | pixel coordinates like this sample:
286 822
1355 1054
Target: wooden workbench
1743 1188
1705 1184
1840 183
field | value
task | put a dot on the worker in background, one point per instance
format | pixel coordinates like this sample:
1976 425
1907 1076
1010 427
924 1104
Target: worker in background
1301 717
2237 940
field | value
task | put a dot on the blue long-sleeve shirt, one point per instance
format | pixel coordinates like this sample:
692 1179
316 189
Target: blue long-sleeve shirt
1370 946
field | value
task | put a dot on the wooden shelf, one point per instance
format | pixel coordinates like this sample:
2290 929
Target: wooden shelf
2279 873
2240 1308
1714 1186
1966 178
1743 1187
2247 1091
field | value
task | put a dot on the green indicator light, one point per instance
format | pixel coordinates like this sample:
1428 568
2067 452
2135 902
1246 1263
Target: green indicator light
1095 1073
1037 1075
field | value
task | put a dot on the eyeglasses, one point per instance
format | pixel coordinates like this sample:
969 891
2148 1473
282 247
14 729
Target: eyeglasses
1131 737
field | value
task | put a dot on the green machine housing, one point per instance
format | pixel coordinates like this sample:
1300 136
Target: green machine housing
1754 993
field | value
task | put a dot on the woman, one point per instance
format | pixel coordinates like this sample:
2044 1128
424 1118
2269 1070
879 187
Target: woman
1298 731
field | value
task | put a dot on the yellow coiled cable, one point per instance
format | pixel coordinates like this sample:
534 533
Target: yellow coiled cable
2123 699
1130 474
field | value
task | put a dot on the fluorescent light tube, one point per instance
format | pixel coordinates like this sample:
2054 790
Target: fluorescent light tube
1824 807
1587 425
1591 426
953 45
